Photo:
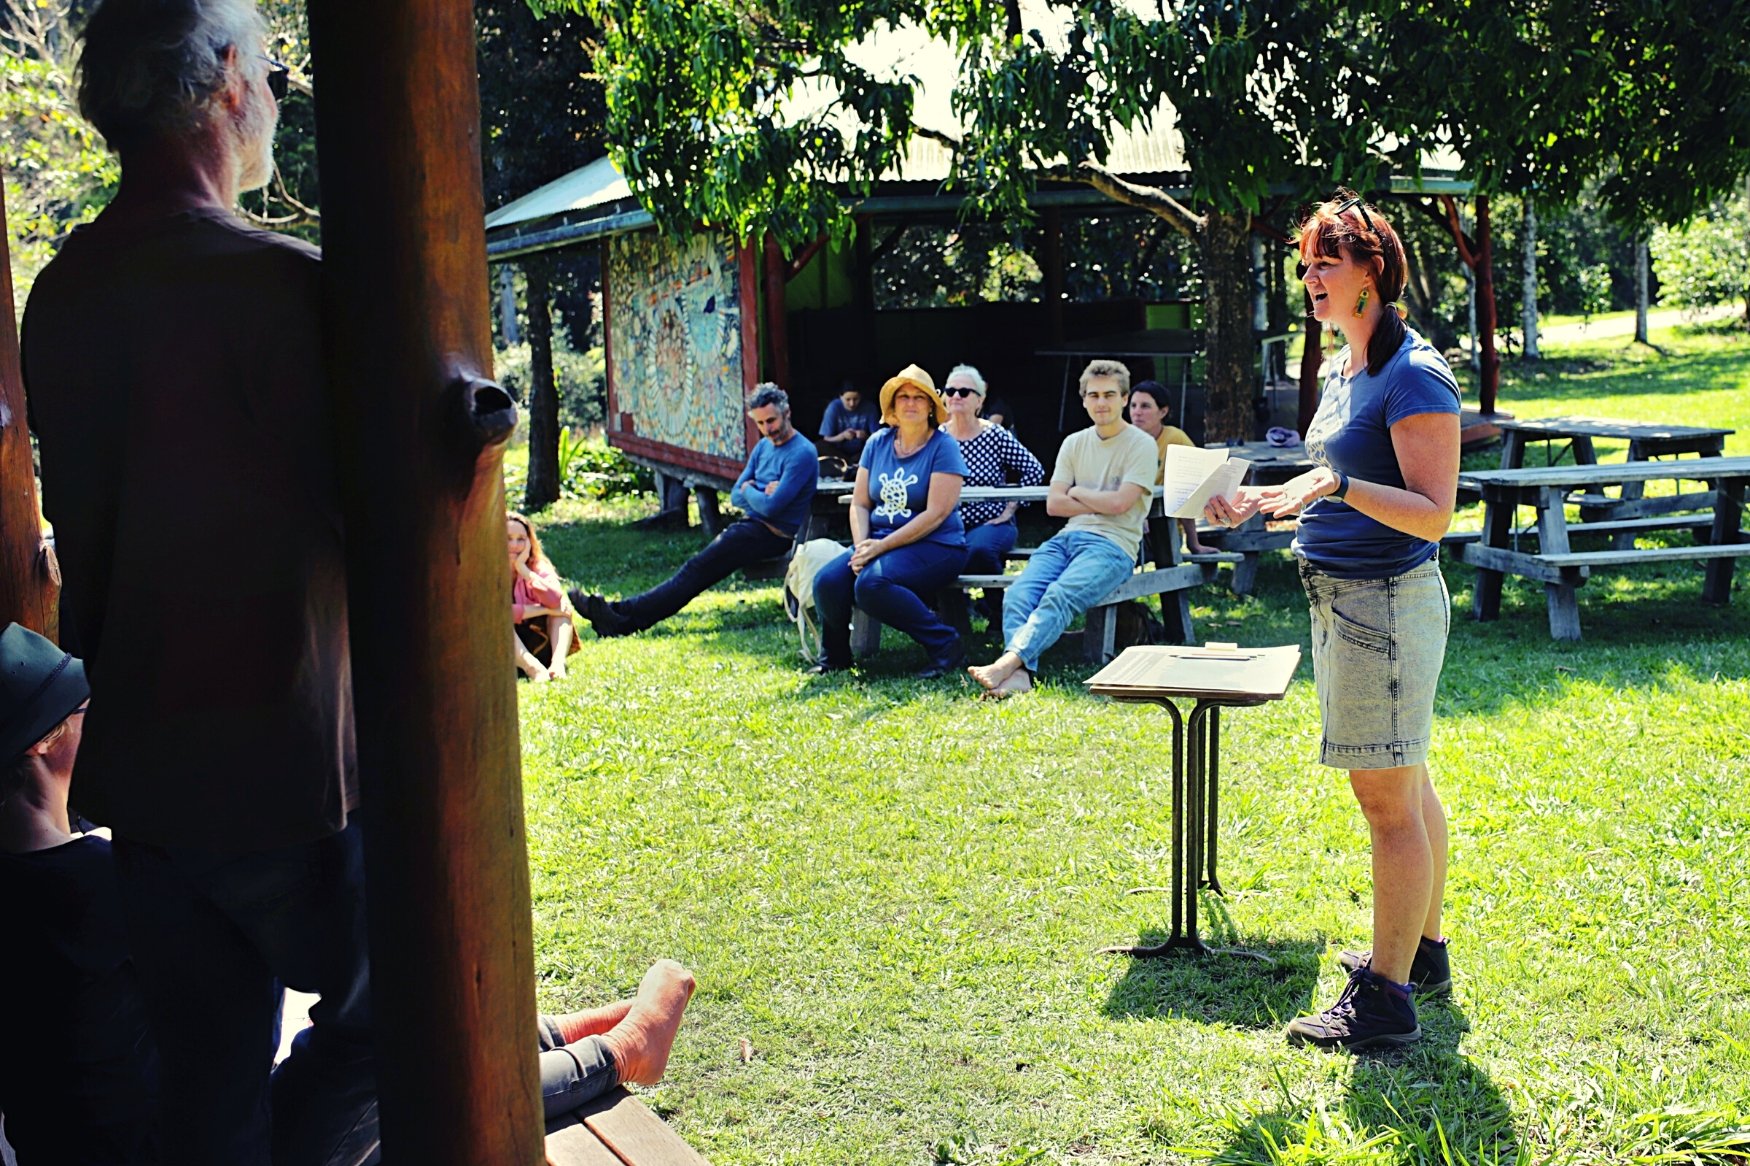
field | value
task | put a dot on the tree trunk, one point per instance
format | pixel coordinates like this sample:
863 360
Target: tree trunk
1641 281
1491 367
1225 243
542 488
1528 312
408 349
1310 359
30 582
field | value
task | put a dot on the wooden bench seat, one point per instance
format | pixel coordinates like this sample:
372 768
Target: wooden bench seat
617 1130
1100 640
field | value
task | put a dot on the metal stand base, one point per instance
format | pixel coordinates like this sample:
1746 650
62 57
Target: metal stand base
1196 799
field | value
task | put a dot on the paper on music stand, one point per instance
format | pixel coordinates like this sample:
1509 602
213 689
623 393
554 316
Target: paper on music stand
1194 476
1183 670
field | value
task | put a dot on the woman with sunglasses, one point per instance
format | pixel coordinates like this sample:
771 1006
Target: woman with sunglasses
993 458
907 539
1372 512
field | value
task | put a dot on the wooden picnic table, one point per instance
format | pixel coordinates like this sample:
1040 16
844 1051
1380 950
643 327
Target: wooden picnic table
1271 465
1547 490
1646 442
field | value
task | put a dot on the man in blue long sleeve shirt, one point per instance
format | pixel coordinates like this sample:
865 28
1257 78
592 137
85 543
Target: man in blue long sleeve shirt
775 491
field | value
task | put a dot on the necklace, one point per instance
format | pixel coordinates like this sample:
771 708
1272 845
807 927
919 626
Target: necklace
906 451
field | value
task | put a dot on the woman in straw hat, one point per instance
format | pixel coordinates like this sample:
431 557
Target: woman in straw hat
907 539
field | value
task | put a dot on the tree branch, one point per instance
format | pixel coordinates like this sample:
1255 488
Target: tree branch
948 140
1149 198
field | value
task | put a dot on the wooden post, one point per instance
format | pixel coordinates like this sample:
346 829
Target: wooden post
30 582
1485 265
778 315
1053 273
1310 359
423 429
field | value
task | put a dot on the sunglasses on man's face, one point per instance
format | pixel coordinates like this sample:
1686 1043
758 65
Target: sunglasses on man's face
278 78
959 391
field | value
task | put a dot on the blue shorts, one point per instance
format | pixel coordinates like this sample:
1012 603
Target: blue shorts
1377 647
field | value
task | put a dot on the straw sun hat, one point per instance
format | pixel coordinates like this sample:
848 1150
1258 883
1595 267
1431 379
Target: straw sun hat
916 377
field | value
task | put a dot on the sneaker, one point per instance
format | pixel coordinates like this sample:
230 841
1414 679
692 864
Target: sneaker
1430 971
1371 1012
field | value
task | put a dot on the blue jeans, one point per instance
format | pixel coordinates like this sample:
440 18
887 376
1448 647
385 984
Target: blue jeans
741 543
987 548
217 937
897 588
572 1075
1071 572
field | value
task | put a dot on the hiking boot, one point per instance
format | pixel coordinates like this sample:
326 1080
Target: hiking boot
1430 970
1372 1012
600 614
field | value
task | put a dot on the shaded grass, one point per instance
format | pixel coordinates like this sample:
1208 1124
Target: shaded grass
895 893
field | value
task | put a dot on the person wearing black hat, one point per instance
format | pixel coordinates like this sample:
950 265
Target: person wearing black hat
78 1069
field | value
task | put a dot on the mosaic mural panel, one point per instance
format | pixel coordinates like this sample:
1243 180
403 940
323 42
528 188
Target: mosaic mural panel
674 332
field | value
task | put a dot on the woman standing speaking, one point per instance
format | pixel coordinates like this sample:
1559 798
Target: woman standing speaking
1372 513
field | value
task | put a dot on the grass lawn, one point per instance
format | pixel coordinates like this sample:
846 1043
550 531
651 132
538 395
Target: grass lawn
893 894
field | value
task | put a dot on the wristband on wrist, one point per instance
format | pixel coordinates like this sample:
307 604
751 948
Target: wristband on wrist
1342 485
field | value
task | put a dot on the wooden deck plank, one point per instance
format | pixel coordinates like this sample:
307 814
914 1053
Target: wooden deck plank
628 1128
571 1143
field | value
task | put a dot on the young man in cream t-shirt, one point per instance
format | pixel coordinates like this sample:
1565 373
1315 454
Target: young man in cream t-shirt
1102 483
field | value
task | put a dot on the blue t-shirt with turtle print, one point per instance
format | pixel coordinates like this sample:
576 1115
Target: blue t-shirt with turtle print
899 487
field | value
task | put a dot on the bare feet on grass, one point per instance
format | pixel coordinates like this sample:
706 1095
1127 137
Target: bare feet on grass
991 676
641 1042
1019 681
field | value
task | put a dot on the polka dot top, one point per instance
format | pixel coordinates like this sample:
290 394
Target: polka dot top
995 458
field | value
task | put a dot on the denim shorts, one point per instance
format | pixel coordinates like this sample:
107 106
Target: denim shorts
1377 647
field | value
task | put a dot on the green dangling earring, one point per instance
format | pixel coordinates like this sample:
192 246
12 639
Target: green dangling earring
1361 304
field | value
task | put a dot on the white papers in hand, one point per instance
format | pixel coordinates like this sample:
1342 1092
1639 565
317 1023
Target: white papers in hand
1194 476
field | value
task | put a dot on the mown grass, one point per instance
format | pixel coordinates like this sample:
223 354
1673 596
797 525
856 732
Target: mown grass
894 893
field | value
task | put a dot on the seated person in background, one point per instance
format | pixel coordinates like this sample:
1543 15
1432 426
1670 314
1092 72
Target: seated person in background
993 458
585 1054
78 1068
997 412
1149 410
775 489
848 422
540 615
907 539
1102 483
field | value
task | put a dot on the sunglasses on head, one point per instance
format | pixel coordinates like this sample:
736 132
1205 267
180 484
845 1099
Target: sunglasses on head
278 78
959 391
1356 204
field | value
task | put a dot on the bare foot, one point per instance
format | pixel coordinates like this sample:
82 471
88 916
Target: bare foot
574 1026
991 676
1198 549
557 672
1019 681
642 1041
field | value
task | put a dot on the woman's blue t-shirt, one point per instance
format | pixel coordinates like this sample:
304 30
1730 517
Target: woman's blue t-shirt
1351 432
899 487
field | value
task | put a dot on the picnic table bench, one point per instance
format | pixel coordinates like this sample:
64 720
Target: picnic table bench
1169 575
1562 570
1647 441
617 1130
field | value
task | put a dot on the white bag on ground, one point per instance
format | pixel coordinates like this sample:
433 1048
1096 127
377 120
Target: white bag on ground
805 564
